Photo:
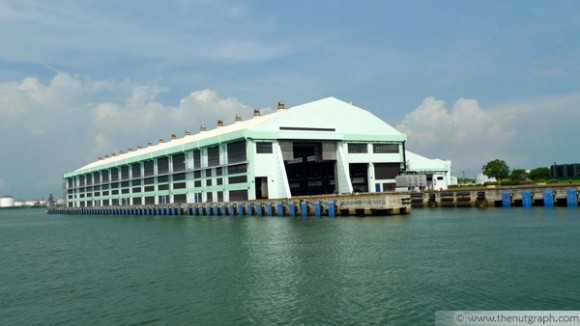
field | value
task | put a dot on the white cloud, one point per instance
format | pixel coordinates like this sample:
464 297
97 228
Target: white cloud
51 128
526 133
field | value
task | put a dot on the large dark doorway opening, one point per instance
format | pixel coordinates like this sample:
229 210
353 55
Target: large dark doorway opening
308 174
359 177
261 187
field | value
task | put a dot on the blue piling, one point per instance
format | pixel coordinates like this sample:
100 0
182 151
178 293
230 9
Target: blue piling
231 209
259 209
240 209
280 209
317 209
269 209
548 198
215 210
331 210
526 198
506 199
249 208
292 209
304 209
571 198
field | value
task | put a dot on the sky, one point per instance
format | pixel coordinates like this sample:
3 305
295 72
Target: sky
467 81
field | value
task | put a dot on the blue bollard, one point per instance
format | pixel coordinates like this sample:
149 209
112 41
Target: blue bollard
292 209
249 208
304 209
506 199
280 209
232 209
215 210
269 209
259 209
526 198
317 209
331 211
240 209
571 198
548 198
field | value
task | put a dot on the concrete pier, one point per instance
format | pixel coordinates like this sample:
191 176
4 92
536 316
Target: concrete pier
379 204
547 196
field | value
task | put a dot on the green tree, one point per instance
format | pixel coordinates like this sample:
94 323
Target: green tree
497 169
519 175
541 173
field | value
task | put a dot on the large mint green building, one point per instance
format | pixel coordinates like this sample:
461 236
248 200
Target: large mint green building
323 147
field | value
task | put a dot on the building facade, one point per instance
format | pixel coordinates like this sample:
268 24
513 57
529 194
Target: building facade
323 147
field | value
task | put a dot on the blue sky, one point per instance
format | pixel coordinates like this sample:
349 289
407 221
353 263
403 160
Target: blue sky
468 81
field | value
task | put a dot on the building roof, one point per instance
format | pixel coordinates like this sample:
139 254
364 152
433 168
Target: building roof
328 118
418 163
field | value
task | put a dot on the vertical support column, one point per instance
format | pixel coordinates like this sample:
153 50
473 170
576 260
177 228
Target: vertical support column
292 209
317 209
548 198
240 209
304 209
269 209
506 199
280 209
249 208
215 210
331 209
571 198
259 209
526 198
231 209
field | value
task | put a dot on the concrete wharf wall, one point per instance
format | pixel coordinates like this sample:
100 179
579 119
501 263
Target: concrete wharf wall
315 206
547 196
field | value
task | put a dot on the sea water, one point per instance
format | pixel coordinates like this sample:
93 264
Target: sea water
393 270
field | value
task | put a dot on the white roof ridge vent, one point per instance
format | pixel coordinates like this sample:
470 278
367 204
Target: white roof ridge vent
202 128
238 118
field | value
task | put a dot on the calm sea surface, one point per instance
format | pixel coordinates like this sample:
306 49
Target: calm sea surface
397 270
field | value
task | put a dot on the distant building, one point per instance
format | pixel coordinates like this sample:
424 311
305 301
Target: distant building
6 201
323 147
559 171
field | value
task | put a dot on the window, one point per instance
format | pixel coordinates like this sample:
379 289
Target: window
220 196
219 181
213 156
178 177
137 182
238 195
196 174
125 172
357 148
197 184
218 171
196 159
386 148
208 183
209 196
162 165
180 199
178 162
148 168
208 173
180 185
149 181
125 184
149 188
163 187
237 152
242 168
386 170
105 176
264 148
238 179
163 179
137 189
136 170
